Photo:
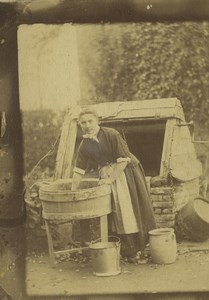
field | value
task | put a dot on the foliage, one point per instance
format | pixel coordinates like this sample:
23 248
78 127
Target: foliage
40 130
153 60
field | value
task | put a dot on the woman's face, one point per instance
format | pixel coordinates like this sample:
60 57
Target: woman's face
88 123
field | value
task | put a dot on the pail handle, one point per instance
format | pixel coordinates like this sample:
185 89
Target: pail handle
109 236
203 199
172 236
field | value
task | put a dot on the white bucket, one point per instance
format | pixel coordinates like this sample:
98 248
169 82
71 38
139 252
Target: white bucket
106 257
162 244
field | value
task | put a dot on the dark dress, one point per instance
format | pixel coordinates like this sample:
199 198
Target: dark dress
110 148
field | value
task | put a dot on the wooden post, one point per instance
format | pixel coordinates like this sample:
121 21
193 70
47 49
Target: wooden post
61 149
167 147
69 149
50 244
66 148
104 228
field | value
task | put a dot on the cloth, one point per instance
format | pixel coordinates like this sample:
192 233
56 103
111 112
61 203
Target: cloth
91 137
110 149
124 220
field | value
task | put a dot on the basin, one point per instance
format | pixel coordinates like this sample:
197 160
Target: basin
59 202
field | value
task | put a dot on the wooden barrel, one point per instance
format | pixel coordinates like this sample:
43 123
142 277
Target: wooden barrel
193 220
59 202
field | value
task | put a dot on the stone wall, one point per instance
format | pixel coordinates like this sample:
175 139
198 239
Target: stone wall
167 201
163 206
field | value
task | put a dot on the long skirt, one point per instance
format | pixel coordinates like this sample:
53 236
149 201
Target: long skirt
132 216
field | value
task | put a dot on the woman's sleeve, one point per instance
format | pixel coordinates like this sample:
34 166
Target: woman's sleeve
81 160
120 148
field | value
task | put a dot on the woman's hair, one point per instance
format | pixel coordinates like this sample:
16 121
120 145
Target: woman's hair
88 111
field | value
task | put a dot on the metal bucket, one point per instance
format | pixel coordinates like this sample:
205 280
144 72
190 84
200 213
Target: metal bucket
106 257
192 221
162 243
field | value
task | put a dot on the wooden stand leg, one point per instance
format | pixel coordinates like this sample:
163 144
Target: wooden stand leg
104 228
50 244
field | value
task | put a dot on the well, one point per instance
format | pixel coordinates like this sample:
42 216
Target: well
157 134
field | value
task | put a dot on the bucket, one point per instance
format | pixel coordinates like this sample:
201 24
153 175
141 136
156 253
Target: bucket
162 243
106 257
192 221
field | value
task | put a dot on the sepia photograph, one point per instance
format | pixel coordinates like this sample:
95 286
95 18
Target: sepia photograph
104 149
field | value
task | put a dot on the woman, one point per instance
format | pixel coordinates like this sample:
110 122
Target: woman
104 149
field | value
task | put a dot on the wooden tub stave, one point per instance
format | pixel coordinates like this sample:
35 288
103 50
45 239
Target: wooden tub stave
59 202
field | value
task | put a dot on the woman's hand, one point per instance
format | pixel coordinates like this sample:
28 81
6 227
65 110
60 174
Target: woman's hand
105 181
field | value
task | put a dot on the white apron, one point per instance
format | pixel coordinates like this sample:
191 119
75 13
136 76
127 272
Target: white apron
124 220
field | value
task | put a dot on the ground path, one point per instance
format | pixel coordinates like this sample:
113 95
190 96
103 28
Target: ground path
190 273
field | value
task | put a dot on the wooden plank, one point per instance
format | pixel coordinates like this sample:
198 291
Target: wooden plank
167 147
141 109
62 147
60 252
156 108
69 149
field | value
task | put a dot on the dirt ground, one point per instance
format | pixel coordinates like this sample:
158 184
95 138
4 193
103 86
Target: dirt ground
188 274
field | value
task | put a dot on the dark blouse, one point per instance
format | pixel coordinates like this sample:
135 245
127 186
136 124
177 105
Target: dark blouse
111 147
